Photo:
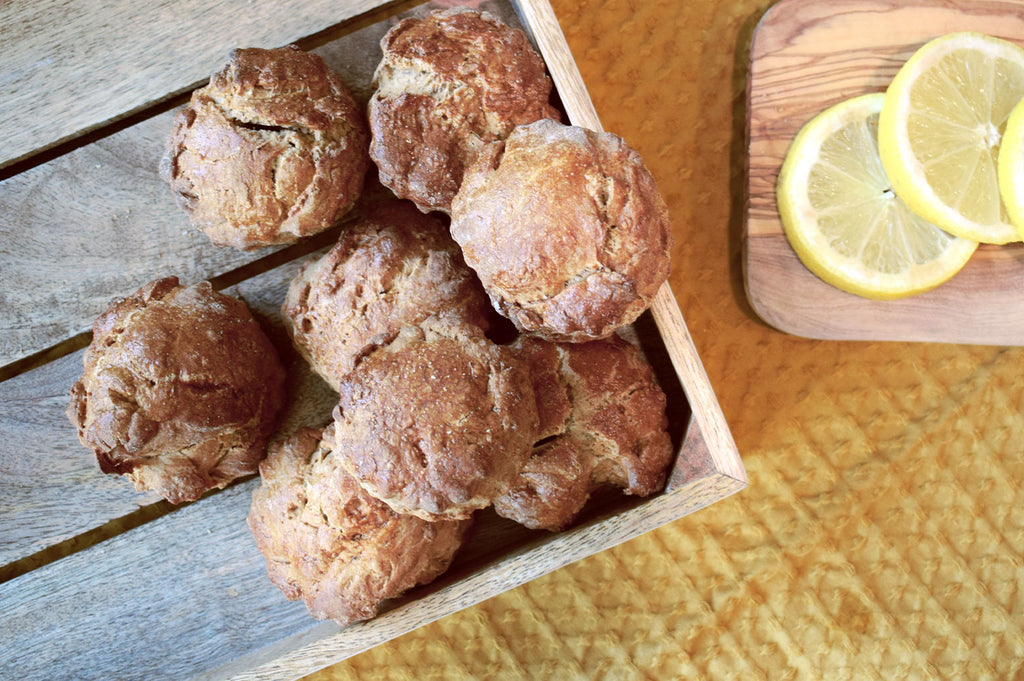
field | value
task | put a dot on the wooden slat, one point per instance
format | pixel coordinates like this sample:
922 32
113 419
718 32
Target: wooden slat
186 595
92 225
69 67
50 486
99 222
162 601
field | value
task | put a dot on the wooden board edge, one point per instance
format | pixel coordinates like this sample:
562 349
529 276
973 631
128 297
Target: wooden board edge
542 25
327 644
706 410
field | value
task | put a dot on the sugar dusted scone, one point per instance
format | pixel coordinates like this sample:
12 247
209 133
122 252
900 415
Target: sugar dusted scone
437 423
448 84
328 542
615 433
393 267
273 149
566 230
180 390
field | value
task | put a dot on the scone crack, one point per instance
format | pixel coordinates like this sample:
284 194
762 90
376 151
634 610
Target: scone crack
415 78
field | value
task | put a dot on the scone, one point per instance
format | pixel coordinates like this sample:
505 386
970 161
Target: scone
566 230
619 409
437 423
331 544
553 486
180 390
544 362
394 267
615 433
273 149
448 84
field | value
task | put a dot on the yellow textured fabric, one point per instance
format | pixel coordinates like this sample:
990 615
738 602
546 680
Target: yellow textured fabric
882 533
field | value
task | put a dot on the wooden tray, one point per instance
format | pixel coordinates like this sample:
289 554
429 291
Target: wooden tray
98 581
806 55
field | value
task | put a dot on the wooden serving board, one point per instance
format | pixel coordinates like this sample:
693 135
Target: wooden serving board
99 581
805 56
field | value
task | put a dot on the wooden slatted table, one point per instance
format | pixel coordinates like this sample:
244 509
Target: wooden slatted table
99 581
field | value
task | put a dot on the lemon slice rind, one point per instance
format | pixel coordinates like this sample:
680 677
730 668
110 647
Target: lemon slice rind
880 230
964 146
1011 167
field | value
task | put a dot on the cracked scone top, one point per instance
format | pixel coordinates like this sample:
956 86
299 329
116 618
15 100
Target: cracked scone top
448 84
437 423
328 542
273 149
605 424
180 390
393 267
565 228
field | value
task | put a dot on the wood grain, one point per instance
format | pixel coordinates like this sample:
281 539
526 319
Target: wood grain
71 67
806 55
98 222
185 595
162 601
50 486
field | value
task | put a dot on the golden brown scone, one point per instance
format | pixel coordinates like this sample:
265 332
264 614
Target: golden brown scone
437 423
553 486
180 390
616 434
544 362
566 230
331 544
395 267
619 406
273 149
446 85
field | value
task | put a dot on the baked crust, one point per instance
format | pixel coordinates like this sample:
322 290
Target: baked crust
328 542
394 267
619 408
180 390
273 149
437 423
615 434
446 85
552 488
566 230
550 389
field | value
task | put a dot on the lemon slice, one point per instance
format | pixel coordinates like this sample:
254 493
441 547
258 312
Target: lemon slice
940 128
843 220
1011 167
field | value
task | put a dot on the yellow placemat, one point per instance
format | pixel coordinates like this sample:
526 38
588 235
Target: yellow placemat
882 534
